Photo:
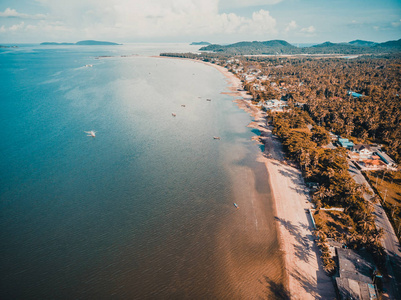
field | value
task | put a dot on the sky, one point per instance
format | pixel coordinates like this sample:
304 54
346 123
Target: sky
215 21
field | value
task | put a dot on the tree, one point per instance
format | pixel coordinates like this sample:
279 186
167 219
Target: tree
320 135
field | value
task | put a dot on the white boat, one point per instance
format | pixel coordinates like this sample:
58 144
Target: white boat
216 137
91 133
89 66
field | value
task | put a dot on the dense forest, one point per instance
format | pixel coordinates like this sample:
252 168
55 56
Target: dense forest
373 115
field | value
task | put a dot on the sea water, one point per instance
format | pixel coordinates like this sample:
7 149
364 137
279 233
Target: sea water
136 211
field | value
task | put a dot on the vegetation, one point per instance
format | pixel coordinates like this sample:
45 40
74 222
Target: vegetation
282 47
329 169
387 185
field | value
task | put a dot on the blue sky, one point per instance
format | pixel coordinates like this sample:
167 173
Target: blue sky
216 21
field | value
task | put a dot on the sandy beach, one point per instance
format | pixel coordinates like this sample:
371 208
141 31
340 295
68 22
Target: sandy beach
305 276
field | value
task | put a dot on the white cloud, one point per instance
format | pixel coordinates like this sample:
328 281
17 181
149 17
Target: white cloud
12 13
291 26
125 20
309 29
229 4
396 24
17 27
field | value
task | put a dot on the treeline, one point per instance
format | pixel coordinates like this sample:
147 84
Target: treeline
324 85
328 169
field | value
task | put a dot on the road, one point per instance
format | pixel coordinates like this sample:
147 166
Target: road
389 241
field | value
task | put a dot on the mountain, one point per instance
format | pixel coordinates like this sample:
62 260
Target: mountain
391 44
200 43
274 47
87 43
267 47
362 43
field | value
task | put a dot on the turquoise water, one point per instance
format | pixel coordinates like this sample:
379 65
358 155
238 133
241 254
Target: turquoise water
133 212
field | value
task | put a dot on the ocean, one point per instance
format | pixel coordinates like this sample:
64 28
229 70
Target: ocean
144 210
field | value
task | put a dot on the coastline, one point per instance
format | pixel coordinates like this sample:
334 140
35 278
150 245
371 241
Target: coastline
305 278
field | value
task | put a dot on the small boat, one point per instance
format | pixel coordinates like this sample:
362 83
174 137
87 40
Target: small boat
236 205
173 114
216 137
91 133
208 99
182 105
89 66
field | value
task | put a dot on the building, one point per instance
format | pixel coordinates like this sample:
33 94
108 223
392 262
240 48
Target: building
345 143
387 159
355 95
363 150
355 273
274 105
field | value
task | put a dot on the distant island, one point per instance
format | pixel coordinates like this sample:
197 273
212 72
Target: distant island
274 47
200 43
85 43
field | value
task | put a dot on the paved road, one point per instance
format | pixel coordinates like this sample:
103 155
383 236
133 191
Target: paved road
389 241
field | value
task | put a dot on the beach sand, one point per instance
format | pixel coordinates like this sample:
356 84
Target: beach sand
305 276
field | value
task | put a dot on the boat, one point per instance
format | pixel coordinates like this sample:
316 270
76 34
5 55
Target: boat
91 133
182 105
208 99
173 114
216 137
89 66
236 205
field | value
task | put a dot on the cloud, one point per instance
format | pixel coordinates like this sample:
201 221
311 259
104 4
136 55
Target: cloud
291 26
16 27
12 13
227 4
396 24
309 29
125 20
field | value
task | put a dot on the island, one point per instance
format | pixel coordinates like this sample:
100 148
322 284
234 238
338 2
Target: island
200 43
82 43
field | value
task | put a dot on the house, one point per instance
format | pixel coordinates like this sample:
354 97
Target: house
355 275
363 150
345 143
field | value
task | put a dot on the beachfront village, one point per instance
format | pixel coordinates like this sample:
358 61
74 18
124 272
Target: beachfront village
338 120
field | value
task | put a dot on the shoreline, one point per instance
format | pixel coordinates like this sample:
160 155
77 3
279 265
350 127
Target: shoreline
305 277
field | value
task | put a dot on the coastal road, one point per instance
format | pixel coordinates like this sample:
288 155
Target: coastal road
389 241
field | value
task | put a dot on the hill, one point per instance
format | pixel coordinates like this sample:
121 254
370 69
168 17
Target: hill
274 47
362 43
